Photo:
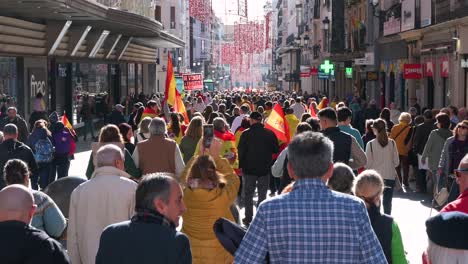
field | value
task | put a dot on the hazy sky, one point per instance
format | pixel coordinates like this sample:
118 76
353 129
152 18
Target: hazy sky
227 10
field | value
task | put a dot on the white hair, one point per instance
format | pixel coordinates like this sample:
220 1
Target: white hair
108 154
438 254
158 126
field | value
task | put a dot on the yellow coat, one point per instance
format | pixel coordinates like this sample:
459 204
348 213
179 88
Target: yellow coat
292 121
399 133
228 151
204 207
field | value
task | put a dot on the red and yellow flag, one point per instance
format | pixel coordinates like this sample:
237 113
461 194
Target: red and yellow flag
170 93
277 123
312 110
67 124
172 96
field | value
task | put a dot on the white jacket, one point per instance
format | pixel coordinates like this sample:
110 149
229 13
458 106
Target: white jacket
108 198
382 159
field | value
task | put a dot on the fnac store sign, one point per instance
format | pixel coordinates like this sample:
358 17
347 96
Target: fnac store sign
412 71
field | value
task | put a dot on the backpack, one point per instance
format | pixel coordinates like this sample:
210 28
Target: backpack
44 151
62 141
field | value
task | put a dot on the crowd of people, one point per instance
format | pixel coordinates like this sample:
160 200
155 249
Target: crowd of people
331 182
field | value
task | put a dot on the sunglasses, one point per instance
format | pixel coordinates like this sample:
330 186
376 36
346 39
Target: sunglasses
459 171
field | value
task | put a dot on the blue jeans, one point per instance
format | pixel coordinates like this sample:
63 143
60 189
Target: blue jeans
88 126
388 196
41 176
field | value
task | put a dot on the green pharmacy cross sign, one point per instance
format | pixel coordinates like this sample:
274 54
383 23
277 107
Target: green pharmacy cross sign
349 72
327 67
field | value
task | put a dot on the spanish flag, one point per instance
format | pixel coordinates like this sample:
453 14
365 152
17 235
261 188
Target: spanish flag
67 124
312 111
172 96
276 122
170 93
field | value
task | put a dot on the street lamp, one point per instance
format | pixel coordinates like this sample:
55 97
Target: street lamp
326 28
299 14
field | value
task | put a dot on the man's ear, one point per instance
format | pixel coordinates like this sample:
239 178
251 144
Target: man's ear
329 173
291 173
159 205
31 212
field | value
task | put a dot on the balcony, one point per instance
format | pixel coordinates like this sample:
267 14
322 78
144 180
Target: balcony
290 39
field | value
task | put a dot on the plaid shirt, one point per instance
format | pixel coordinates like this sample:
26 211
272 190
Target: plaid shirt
311 225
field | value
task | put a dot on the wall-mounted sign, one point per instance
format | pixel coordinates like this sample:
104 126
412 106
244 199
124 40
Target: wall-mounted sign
429 69
444 67
426 14
323 75
367 60
349 72
62 70
37 81
313 71
327 67
193 82
412 71
464 63
407 15
392 26
372 76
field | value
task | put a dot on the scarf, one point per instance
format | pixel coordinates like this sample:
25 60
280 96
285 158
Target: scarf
109 171
226 136
153 217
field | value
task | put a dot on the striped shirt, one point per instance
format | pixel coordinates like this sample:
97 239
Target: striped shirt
311 225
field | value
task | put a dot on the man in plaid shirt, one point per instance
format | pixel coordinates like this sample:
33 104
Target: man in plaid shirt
311 224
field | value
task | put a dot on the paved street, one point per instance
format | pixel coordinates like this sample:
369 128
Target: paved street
408 211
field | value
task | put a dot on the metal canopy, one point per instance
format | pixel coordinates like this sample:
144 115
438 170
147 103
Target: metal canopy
164 40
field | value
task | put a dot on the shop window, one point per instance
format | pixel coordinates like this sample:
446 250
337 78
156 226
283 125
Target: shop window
90 81
139 78
131 79
157 13
8 91
173 22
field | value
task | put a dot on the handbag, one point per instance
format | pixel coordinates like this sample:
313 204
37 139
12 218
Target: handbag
442 196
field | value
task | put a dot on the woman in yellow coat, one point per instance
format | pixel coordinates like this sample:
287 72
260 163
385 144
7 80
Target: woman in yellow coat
211 188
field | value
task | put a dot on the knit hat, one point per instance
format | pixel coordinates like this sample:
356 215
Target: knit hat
54 117
256 116
449 230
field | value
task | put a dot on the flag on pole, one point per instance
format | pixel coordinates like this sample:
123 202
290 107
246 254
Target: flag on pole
67 124
312 110
277 123
179 107
172 96
171 85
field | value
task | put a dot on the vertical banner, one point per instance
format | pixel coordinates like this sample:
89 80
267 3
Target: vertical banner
412 71
444 67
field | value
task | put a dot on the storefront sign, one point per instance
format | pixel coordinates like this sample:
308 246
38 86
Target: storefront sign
314 71
62 70
407 15
444 68
464 63
367 60
305 74
426 14
372 76
429 69
323 75
327 67
392 26
193 82
349 72
412 71
37 81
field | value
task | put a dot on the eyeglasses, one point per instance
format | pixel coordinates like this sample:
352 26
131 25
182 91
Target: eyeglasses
459 171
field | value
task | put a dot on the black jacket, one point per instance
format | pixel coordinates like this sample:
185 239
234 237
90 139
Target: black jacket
138 242
23 244
20 123
382 226
342 142
13 149
256 147
421 135
116 118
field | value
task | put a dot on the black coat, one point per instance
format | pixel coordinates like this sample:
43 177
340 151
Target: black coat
116 117
256 147
23 244
13 149
342 142
138 242
421 135
23 132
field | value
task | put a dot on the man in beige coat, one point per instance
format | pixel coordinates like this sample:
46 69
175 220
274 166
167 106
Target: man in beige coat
107 198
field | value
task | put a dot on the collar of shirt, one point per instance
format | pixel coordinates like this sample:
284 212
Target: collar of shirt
310 183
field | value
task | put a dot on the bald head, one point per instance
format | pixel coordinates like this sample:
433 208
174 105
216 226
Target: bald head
17 204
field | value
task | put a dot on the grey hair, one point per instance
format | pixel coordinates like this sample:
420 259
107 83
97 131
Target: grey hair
1 137
342 178
152 187
219 124
310 155
158 126
144 125
10 129
108 154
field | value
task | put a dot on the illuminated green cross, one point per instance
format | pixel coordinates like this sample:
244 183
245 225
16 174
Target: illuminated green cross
327 67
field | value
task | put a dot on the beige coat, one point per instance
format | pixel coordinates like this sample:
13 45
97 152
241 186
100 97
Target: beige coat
108 198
